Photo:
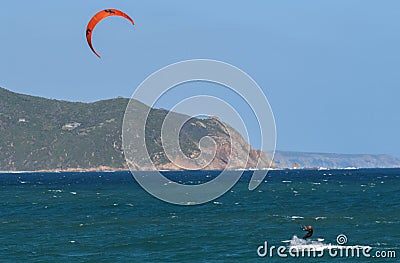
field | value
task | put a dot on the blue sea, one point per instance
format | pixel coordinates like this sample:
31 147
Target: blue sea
108 217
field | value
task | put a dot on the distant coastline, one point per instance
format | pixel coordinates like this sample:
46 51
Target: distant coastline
284 160
79 170
292 159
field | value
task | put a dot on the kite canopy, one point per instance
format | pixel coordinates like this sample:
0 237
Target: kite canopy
97 18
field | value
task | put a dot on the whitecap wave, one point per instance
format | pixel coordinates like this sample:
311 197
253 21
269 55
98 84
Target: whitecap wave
296 217
316 245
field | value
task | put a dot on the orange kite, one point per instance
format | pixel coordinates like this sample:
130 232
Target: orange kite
97 18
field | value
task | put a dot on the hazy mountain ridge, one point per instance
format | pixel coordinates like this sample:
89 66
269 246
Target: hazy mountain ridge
288 159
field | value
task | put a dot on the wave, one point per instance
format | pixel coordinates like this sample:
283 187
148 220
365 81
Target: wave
296 217
317 245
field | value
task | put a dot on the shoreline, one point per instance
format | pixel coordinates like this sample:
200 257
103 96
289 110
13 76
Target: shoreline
78 170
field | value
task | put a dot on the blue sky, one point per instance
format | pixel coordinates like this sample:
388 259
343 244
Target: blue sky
330 69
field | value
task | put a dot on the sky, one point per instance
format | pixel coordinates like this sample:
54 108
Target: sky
330 69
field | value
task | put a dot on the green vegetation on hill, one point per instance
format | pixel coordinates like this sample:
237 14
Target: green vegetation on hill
32 135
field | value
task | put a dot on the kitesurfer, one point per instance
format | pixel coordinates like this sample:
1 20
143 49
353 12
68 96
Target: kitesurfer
309 230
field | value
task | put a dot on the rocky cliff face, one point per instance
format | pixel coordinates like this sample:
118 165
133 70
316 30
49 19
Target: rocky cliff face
230 151
43 134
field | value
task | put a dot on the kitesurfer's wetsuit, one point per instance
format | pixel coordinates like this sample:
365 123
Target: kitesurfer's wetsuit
309 232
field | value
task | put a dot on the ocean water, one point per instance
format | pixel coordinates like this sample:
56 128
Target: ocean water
108 217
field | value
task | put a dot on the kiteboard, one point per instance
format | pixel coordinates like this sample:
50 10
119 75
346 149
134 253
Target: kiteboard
318 239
